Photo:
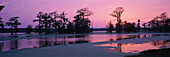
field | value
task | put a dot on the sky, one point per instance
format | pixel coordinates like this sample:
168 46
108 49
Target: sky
145 10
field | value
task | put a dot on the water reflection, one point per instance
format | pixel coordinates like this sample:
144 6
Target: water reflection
39 42
137 36
161 44
53 41
21 35
136 48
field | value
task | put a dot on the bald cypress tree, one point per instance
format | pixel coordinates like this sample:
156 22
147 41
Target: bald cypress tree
13 22
117 13
138 25
82 22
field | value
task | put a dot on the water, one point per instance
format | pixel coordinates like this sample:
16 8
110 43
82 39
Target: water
54 41
136 48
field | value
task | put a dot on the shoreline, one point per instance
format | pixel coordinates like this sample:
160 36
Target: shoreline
31 36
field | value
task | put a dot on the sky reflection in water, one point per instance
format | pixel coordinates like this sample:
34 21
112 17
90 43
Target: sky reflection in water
136 48
54 41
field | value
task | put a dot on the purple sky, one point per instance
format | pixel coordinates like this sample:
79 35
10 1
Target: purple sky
134 9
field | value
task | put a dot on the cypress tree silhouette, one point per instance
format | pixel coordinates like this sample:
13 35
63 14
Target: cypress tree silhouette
117 13
160 23
13 22
81 22
45 20
70 28
64 22
144 26
138 26
110 27
129 27
1 22
39 26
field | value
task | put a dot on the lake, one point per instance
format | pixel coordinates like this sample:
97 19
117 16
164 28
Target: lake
8 45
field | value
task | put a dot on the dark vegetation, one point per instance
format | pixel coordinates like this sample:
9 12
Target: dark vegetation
52 22
58 23
110 27
81 22
121 26
29 29
1 22
160 23
61 24
117 13
13 23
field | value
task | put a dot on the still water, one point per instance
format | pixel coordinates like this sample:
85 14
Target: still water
66 40
136 48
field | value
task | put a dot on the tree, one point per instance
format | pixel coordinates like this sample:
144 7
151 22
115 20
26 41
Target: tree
133 28
29 29
149 26
1 23
64 22
129 27
144 26
45 20
117 13
81 22
160 23
138 26
13 22
39 29
110 27
1 7
53 16
70 28
55 23
39 26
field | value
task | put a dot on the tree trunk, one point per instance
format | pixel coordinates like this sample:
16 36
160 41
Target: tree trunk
118 28
46 32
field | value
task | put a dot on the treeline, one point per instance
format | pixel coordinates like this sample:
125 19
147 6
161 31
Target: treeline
159 23
58 23
54 22
121 26
127 27
61 24
13 23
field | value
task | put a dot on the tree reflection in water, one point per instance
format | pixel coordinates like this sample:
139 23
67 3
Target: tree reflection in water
136 48
137 36
161 44
39 42
66 40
